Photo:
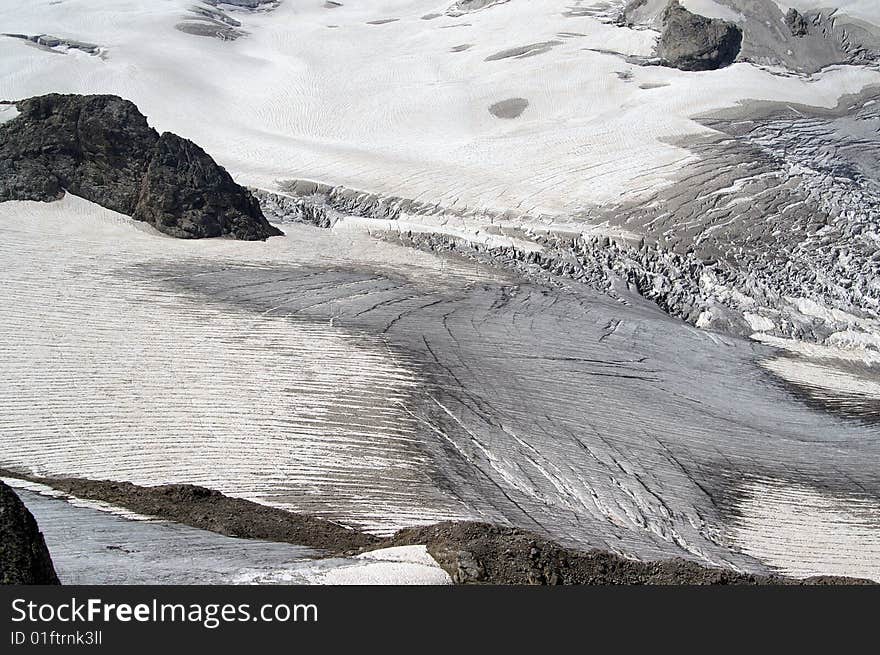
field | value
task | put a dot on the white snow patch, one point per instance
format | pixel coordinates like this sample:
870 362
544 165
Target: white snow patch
404 554
7 113
823 377
804 532
841 346
810 307
758 323
711 9
412 122
402 565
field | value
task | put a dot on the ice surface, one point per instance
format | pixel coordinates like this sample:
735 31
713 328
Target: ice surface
7 113
800 530
382 386
228 400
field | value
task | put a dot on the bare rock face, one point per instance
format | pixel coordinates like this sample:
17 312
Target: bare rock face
695 43
796 22
185 194
93 146
102 149
24 558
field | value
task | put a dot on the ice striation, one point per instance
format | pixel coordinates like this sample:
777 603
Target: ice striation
389 387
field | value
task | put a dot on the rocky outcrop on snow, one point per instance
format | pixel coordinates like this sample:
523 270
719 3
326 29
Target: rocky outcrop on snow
24 558
796 22
695 43
102 149
57 44
213 22
185 194
803 42
246 4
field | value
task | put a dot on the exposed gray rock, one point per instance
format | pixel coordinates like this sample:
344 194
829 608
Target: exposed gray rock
102 149
185 194
211 28
468 568
695 43
796 23
213 22
96 147
804 42
24 558
212 18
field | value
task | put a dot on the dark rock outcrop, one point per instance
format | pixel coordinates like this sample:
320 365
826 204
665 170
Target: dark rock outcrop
102 149
24 558
96 147
692 42
185 194
796 22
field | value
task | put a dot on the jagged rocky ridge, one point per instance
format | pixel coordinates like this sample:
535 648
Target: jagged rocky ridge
24 558
101 148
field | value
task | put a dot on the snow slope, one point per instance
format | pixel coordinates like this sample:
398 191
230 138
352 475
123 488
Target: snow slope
339 96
